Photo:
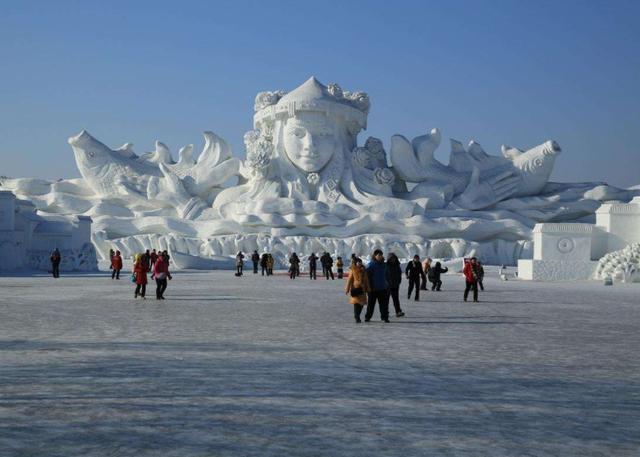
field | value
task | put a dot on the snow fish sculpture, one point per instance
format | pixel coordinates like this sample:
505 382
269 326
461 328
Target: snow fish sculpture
189 186
110 172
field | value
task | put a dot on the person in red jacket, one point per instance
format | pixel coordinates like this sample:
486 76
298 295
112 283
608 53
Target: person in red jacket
160 274
140 275
116 265
471 274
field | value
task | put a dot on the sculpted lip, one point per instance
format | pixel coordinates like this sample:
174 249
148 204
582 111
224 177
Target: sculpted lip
313 155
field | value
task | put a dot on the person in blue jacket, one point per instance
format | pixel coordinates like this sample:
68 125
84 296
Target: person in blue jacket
377 273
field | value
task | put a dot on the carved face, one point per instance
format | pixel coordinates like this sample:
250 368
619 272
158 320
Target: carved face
310 141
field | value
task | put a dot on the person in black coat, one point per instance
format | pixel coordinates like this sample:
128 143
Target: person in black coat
263 263
146 260
414 274
434 276
313 265
56 258
255 258
394 278
327 265
294 266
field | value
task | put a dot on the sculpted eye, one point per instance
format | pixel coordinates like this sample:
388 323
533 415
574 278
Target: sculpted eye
299 133
91 153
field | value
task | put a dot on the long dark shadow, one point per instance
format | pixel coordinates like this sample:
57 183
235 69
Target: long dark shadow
464 322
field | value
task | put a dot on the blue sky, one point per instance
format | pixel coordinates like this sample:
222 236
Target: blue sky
498 72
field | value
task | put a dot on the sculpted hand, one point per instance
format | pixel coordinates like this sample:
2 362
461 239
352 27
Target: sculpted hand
491 190
169 192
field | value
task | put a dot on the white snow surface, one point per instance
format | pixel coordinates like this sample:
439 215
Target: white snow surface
258 366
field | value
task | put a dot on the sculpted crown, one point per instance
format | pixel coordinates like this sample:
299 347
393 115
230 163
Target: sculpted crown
312 95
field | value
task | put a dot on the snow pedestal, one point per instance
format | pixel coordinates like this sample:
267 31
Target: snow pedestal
27 238
617 226
565 251
10 252
7 210
560 252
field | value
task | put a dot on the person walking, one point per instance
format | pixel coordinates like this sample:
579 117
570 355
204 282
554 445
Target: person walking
340 267
55 258
480 275
328 266
146 260
394 278
270 263
377 272
323 262
470 271
239 263
161 275
294 266
352 260
154 257
313 265
414 274
434 276
357 288
111 254
140 276
116 265
255 258
426 266
263 263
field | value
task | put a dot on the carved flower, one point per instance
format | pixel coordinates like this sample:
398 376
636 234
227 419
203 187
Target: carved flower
361 156
383 176
313 179
335 90
259 150
361 101
264 99
375 147
251 137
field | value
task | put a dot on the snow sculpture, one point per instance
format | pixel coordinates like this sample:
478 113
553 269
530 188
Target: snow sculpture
477 179
306 185
189 186
622 265
27 239
560 252
618 225
566 251
301 149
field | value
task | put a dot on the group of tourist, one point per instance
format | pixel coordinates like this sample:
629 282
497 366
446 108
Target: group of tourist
154 262
380 282
264 261
326 261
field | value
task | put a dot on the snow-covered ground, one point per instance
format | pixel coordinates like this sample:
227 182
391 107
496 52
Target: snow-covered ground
258 366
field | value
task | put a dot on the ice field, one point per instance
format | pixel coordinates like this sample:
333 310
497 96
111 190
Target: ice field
257 366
